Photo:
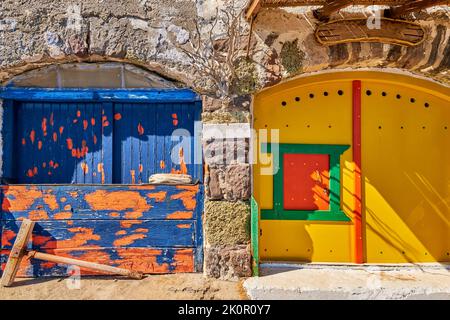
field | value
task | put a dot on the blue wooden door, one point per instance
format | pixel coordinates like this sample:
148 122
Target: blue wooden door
58 143
154 138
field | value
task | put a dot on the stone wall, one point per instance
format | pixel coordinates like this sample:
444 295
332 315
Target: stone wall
153 33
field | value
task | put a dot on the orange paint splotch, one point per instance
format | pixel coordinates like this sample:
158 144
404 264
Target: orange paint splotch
141 259
133 176
85 124
55 137
69 143
117 200
129 223
92 121
44 126
133 215
52 120
140 129
63 215
127 240
38 215
84 167
158 196
63 199
105 121
187 197
141 187
67 207
24 141
73 194
162 164
114 215
78 113
35 170
69 223
32 136
61 130
47 264
179 215
184 226
174 119
39 240
19 198
81 237
141 168
120 233
50 200
74 153
117 116
51 163
7 236
95 139
75 121
141 230
183 260
101 170
55 165
30 173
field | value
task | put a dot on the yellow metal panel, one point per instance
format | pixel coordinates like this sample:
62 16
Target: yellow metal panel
321 115
406 171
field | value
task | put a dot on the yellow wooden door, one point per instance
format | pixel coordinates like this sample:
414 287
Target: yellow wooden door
405 166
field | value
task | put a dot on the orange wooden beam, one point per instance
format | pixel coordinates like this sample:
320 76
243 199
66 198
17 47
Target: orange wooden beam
331 6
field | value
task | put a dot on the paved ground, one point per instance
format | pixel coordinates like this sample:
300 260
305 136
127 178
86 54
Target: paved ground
344 282
178 286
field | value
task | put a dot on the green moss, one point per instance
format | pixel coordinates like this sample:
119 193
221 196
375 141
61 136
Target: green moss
291 56
227 223
246 76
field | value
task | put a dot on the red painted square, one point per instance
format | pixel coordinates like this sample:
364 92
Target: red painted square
306 181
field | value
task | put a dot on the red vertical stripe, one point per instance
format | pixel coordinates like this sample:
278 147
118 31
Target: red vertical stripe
359 247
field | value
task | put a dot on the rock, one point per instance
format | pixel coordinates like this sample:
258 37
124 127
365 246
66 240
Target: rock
228 263
229 182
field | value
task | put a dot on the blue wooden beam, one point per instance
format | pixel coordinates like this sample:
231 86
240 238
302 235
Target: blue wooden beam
107 95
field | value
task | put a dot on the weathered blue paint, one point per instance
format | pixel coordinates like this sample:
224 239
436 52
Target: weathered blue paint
105 234
99 95
107 218
85 143
155 202
8 140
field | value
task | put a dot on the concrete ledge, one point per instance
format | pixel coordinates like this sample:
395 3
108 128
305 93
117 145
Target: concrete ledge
352 282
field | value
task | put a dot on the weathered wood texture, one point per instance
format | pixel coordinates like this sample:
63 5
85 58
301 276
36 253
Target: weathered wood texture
153 228
413 6
357 30
330 7
17 252
99 143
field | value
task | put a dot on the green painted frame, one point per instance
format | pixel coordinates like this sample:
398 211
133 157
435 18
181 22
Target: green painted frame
334 213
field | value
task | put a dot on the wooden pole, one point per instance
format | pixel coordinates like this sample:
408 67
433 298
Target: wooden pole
85 264
17 252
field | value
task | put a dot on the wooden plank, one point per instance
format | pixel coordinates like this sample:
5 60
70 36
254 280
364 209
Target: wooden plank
252 9
107 142
17 252
8 130
100 95
53 234
100 202
357 147
330 7
356 30
412 6
145 260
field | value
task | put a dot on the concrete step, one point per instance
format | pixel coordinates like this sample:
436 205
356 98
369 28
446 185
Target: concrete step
330 282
